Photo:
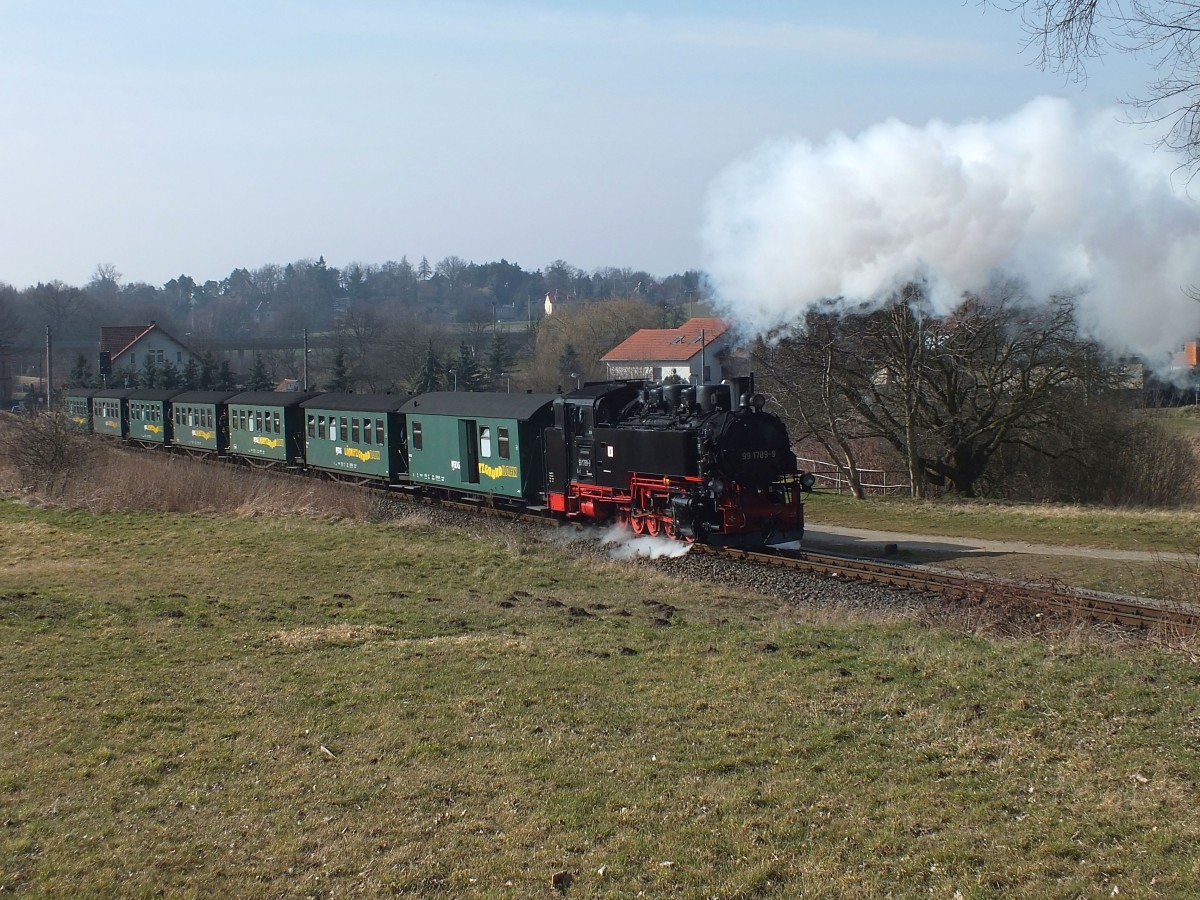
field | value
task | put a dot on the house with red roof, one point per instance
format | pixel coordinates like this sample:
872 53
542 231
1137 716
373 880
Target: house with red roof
697 352
129 346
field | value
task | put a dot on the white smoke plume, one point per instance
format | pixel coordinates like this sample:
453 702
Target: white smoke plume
1065 202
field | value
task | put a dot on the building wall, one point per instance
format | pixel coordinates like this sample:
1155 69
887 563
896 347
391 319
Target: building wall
163 348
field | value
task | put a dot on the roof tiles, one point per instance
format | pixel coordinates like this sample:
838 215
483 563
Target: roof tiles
668 344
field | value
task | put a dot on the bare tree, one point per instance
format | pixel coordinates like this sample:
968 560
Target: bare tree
1068 35
58 301
799 370
947 394
105 283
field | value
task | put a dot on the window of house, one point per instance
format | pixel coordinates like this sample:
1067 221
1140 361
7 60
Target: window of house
416 436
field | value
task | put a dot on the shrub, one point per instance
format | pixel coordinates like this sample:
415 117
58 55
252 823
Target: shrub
45 450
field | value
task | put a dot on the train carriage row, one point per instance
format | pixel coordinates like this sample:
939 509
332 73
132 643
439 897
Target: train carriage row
663 460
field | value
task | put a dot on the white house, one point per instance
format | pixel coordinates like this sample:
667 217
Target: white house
695 353
129 346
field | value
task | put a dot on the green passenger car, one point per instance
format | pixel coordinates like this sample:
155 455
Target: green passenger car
200 421
77 403
360 436
486 443
267 426
110 412
149 418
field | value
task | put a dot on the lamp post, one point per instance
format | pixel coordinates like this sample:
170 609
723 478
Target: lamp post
455 374
576 376
509 377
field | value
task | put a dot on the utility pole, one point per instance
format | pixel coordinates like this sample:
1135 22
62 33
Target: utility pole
49 372
306 359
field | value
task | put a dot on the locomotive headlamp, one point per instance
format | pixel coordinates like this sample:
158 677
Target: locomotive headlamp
717 486
807 480
758 401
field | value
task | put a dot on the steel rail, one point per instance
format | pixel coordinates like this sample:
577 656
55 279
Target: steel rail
1075 603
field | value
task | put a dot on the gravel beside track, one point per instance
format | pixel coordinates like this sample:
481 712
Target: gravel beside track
788 586
700 568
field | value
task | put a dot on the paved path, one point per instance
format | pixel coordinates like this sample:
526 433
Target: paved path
869 542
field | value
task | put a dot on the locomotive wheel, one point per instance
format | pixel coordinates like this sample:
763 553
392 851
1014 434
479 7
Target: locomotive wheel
653 525
638 524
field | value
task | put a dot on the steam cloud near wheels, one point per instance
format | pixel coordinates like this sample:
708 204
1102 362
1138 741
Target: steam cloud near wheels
1065 202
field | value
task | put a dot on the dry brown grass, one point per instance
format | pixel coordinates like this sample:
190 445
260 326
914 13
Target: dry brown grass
119 480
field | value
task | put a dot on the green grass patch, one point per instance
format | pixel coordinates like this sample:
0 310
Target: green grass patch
1056 524
1180 420
264 707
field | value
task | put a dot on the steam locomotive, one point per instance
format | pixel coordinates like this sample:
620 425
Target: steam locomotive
700 463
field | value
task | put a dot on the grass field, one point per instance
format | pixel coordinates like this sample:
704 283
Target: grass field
264 705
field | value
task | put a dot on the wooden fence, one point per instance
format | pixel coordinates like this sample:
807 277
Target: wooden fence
874 481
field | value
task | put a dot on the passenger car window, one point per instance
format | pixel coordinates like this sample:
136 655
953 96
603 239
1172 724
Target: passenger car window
502 442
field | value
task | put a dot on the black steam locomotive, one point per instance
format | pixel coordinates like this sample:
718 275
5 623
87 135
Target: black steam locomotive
700 463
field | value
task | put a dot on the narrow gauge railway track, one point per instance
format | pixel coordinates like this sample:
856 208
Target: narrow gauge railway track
1129 613
1126 612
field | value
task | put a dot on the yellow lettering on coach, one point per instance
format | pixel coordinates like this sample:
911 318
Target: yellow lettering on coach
364 455
497 471
203 435
154 429
273 443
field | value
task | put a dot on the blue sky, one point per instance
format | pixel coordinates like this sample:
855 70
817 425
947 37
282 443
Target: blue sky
192 138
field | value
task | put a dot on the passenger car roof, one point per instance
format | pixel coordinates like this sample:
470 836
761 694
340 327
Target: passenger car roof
478 405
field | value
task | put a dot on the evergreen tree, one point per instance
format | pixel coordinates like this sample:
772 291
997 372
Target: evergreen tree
168 376
208 372
81 372
148 377
190 379
470 378
569 365
498 359
223 379
260 378
340 378
429 378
